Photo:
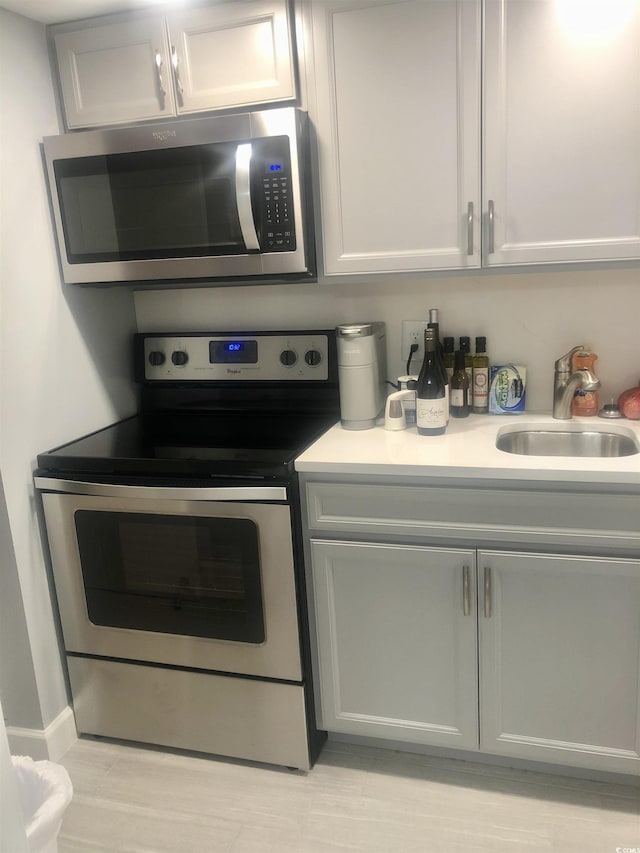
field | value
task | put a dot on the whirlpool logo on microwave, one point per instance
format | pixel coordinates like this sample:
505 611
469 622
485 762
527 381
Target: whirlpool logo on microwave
163 135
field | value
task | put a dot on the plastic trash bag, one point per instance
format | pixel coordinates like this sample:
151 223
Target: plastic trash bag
45 791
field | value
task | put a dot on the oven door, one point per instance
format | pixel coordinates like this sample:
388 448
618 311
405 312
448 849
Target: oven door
200 583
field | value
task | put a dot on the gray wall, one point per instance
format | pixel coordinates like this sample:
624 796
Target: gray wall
64 369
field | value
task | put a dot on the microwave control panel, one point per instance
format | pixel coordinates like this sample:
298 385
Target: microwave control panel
274 190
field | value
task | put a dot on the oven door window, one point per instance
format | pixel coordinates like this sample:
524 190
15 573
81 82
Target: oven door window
169 203
195 576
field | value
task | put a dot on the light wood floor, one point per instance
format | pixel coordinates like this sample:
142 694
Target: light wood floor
355 799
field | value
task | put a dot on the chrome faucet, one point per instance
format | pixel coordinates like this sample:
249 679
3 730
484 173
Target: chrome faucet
565 384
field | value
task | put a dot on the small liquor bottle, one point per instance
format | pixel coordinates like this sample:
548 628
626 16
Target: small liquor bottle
480 378
458 396
448 356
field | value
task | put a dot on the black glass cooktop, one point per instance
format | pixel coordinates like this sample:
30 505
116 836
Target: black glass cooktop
199 445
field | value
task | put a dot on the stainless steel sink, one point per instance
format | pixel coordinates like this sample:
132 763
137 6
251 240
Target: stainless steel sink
566 442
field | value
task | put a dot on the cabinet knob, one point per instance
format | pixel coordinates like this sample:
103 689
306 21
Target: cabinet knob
466 590
162 90
176 72
491 229
487 592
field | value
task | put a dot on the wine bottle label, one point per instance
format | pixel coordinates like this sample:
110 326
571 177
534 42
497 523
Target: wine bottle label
431 414
480 386
458 397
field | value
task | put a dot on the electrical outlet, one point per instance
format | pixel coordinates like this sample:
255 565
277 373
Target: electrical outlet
413 333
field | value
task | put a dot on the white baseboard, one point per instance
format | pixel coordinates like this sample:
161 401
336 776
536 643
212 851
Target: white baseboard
49 744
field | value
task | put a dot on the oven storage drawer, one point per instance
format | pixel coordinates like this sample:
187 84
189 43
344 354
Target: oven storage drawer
202 584
244 718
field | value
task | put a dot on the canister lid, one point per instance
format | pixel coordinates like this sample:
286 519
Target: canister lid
357 330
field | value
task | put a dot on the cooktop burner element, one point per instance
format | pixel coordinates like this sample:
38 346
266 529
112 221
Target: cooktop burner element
221 404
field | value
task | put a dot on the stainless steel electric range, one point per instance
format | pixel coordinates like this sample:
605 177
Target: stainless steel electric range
176 548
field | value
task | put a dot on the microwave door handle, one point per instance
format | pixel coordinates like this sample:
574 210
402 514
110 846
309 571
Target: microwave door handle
243 196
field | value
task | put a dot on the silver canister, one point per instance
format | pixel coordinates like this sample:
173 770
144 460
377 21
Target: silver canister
362 362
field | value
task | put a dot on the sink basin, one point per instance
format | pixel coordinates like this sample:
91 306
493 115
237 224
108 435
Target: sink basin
567 442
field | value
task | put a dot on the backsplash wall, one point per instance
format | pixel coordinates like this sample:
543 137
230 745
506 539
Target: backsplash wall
529 318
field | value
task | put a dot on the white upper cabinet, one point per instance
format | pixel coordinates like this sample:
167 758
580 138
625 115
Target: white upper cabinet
232 54
131 68
115 72
397 100
562 130
400 131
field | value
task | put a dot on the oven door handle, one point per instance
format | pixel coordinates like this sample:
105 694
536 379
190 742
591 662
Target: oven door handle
192 493
243 197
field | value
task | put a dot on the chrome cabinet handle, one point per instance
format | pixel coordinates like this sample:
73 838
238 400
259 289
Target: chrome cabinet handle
487 592
470 228
176 73
491 246
163 91
243 196
466 590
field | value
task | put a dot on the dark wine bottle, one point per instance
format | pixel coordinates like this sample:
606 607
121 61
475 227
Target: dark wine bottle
459 394
431 401
448 356
465 346
433 324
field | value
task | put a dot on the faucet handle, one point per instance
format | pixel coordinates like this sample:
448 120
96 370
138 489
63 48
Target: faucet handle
563 364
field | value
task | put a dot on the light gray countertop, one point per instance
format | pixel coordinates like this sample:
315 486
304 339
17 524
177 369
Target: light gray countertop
468 450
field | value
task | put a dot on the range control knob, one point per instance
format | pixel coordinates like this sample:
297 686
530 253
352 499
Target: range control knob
156 358
288 357
179 357
313 357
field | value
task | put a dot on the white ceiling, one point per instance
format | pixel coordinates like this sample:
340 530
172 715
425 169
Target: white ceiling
57 11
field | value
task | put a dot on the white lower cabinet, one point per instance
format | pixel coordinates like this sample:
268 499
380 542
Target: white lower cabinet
508 651
397 642
560 658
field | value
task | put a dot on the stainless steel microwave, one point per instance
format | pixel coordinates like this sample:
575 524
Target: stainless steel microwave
223 199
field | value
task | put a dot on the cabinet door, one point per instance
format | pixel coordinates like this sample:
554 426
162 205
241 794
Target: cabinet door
562 131
560 659
396 633
397 96
232 54
114 73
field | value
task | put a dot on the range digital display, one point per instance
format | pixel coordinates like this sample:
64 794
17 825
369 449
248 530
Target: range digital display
275 166
233 352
